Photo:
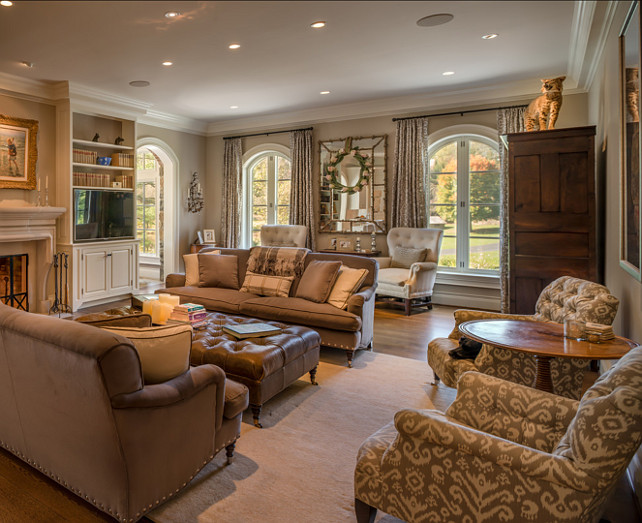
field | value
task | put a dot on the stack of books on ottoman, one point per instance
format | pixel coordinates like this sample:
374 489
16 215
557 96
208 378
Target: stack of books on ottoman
191 313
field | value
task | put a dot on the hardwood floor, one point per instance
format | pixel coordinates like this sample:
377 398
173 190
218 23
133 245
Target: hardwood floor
28 496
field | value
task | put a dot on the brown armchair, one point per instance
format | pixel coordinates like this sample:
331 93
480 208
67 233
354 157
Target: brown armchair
505 452
565 297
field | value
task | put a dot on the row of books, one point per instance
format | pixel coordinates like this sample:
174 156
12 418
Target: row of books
82 156
122 160
82 179
127 180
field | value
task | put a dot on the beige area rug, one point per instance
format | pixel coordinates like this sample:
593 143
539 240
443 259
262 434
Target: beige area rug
300 466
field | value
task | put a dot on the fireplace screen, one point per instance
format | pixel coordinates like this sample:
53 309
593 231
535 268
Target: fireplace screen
13 281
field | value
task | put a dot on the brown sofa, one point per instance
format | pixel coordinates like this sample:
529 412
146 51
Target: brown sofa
73 405
349 329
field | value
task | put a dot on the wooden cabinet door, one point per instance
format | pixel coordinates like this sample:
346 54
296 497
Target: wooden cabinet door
121 269
95 280
552 218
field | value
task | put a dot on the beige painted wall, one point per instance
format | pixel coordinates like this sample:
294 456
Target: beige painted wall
190 151
603 110
45 114
573 114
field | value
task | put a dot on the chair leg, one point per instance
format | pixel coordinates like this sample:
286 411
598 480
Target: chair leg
364 512
229 452
350 355
407 307
256 413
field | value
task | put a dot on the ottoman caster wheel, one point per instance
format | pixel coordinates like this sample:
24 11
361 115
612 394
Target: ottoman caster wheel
256 412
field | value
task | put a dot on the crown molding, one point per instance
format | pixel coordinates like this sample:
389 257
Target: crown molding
600 44
26 88
580 31
174 122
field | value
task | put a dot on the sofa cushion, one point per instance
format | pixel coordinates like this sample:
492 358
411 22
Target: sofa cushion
317 280
404 257
212 298
348 282
218 270
302 312
265 285
396 277
164 351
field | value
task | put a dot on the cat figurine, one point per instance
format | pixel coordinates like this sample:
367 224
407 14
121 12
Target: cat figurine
545 107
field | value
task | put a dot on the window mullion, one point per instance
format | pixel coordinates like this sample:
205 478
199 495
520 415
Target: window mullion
462 204
271 190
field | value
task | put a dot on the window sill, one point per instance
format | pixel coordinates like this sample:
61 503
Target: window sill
149 260
482 281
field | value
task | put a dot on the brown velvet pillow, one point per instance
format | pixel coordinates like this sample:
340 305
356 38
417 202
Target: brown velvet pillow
218 270
317 280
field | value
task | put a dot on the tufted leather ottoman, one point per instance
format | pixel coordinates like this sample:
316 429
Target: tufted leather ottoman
265 365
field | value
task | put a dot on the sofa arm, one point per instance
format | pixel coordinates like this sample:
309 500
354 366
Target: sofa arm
429 432
515 412
175 280
422 276
175 390
362 304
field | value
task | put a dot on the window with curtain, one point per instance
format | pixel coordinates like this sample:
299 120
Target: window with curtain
147 202
268 193
464 200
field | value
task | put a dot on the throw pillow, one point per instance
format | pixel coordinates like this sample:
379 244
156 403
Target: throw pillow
264 285
219 270
317 280
191 270
404 257
164 351
277 261
348 282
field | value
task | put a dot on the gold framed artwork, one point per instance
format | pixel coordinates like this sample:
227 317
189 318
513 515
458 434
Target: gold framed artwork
631 145
18 153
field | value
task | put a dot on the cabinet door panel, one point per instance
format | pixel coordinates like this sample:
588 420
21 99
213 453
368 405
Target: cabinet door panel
121 269
95 282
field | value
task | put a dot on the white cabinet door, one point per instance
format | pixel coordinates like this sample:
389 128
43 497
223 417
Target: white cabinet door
95 281
121 269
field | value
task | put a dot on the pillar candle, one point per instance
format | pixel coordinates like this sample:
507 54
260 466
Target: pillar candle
147 306
173 300
163 297
166 310
156 312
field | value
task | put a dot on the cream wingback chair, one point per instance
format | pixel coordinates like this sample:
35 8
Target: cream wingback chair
284 235
566 297
505 452
410 270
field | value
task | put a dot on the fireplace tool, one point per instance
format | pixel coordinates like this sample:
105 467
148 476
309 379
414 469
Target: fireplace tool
61 284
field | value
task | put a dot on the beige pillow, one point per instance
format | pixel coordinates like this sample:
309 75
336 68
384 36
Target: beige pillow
348 282
404 257
164 351
317 280
219 271
264 285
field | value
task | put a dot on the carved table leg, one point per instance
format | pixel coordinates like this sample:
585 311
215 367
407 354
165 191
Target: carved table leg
364 512
543 375
313 376
229 452
256 412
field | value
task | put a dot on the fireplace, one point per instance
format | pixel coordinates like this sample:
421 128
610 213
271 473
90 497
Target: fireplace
14 288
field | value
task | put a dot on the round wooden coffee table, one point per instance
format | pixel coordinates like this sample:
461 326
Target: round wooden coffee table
544 341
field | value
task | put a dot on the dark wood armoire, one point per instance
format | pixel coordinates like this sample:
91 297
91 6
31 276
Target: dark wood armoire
553 222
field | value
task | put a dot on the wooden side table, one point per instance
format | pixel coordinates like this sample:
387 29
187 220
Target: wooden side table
196 247
368 254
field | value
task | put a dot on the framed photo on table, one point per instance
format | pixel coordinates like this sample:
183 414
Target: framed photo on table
18 153
209 236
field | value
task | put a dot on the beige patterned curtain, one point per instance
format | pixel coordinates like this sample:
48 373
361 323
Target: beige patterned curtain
232 191
510 120
408 184
302 184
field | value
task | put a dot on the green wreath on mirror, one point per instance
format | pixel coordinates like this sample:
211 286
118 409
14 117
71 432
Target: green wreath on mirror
332 173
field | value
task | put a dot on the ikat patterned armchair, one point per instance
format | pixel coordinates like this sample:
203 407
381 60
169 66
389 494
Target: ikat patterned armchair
566 297
505 452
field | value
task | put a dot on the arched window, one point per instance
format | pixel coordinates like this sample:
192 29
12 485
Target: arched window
147 202
464 200
267 193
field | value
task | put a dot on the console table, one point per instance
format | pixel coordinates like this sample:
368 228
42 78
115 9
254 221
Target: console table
194 248
368 254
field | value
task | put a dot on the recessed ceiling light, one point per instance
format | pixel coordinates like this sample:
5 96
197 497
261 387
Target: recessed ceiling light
234 46
234 106
139 83
27 64
6 3
324 92
318 25
172 14
432 20
168 63
448 73
490 36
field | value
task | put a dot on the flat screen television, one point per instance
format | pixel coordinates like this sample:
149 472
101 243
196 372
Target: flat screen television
103 215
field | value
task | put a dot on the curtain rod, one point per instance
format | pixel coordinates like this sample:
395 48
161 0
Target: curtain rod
267 134
458 112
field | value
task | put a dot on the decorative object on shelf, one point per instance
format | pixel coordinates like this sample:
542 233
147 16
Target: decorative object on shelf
209 236
199 237
119 140
195 196
332 173
104 160
61 284
95 138
373 243
345 245
357 246
18 143
333 244
545 107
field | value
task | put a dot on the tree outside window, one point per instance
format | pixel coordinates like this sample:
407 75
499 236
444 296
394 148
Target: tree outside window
147 203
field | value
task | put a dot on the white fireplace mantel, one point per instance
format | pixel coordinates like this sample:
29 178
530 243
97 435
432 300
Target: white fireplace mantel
33 224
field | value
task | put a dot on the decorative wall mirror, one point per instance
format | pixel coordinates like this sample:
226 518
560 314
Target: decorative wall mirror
353 185
630 226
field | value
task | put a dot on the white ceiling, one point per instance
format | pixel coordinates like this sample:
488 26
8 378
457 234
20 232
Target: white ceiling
369 51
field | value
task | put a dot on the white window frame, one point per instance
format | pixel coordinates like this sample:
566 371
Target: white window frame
437 140
250 158
146 176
